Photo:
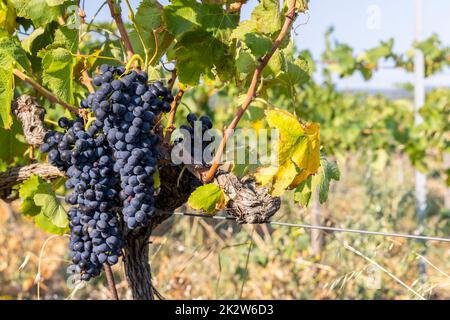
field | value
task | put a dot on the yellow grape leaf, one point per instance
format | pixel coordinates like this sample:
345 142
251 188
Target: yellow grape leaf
298 152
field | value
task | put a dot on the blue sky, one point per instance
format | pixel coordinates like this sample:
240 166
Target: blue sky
361 24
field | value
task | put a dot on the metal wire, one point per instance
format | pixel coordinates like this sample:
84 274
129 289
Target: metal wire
310 226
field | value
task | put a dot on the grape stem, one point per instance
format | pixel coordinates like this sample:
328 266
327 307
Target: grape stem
115 13
85 79
111 282
251 93
172 79
50 96
173 110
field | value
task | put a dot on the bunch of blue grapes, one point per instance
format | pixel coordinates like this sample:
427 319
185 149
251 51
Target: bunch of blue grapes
194 137
128 109
86 158
109 159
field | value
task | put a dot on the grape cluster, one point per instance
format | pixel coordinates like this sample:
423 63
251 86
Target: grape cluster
86 157
127 109
108 160
195 130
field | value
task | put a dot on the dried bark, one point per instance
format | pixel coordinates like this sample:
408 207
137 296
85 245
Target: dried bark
248 202
31 115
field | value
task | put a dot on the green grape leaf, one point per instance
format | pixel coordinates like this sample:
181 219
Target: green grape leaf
44 223
67 38
58 65
198 53
207 198
55 2
12 52
154 73
267 16
303 192
40 202
243 28
28 190
28 42
164 38
296 73
181 16
321 181
302 5
149 19
52 209
6 94
258 44
245 61
187 15
149 15
328 171
7 16
12 142
298 154
39 11
276 64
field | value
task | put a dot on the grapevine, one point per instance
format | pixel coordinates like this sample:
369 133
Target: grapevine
92 114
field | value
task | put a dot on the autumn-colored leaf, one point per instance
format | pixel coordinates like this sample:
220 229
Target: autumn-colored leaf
298 152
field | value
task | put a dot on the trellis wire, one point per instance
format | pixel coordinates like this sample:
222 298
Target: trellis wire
310 226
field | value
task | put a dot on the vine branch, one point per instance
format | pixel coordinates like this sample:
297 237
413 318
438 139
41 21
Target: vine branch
50 96
17 174
85 79
115 13
173 110
111 282
251 92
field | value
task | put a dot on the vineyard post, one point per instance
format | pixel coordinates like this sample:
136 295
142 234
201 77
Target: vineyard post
316 219
419 101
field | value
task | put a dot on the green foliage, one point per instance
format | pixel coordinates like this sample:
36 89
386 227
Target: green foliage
198 53
7 16
39 11
339 57
58 65
6 94
203 40
41 203
27 191
207 198
11 53
51 208
13 146
188 15
266 17
321 181
151 28
215 55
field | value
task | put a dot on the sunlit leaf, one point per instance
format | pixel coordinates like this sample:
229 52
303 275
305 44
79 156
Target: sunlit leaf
52 209
207 198
298 152
58 65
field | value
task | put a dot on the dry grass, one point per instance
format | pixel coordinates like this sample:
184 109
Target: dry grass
200 259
